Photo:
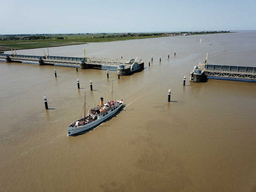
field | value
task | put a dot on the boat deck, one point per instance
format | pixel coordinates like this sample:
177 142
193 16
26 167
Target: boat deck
95 113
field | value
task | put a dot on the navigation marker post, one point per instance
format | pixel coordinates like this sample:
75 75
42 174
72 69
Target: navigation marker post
78 84
45 102
169 95
91 85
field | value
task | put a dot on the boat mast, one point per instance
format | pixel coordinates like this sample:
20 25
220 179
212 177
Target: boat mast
84 104
112 90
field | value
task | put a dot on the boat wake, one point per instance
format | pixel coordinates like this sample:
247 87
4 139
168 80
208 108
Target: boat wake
132 101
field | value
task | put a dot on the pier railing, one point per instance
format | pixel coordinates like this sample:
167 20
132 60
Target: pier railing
124 66
231 72
230 69
68 60
240 73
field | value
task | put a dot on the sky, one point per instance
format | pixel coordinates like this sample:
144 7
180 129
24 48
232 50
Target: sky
121 16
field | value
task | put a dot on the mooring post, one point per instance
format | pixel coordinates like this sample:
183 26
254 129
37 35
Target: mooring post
169 95
91 84
184 80
45 102
55 72
107 74
118 74
78 84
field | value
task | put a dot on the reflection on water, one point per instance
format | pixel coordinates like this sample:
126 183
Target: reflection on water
204 140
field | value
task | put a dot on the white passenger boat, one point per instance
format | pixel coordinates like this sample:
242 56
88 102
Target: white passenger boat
96 116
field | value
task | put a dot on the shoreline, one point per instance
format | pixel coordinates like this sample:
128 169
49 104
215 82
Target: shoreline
20 42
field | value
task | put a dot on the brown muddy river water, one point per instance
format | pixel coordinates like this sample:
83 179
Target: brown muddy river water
204 140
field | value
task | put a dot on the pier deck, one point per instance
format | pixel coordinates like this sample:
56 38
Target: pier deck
82 62
230 71
225 72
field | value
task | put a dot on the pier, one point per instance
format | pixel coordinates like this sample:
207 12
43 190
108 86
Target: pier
124 66
230 72
204 71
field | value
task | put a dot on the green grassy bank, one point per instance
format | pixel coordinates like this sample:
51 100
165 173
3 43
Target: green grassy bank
28 41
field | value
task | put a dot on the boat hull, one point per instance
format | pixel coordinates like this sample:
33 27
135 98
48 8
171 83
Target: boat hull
76 130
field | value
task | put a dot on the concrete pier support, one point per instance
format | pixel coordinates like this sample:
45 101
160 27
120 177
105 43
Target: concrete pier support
88 66
141 66
199 77
83 66
8 59
41 61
